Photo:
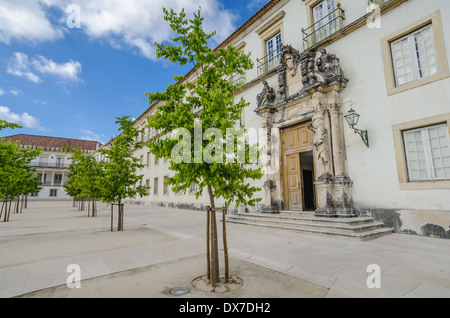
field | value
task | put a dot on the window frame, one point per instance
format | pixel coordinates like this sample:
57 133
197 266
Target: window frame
440 54
165 186
155 186
427 149
55 191
410 37
400 153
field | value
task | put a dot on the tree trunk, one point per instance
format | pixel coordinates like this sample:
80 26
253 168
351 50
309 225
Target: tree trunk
1 211
9 212
16 205
112 213
208 245
225 246
26 202
215 249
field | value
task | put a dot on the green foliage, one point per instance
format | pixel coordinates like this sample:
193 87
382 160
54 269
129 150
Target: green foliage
215 96
85 175
16 175
4 124
119 175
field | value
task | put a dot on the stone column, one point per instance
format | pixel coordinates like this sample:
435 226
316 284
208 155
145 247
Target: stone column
269 202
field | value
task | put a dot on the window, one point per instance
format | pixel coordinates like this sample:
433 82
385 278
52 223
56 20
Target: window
43 162
414 56
193 188
58 179
271 35
273 51
422 153
156 161
59 162
166 186
324 19
427 153
53 192
141 160
155 186
34 194
147 184
148 159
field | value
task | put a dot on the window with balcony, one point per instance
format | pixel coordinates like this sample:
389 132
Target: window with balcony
271 35
53 192
58 179
326 18
273 54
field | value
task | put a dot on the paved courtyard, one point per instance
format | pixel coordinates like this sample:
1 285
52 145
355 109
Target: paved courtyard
161 249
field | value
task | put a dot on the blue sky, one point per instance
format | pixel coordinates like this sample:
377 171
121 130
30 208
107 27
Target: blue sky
60 80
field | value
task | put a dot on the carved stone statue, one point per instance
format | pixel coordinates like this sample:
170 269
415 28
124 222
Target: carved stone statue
328 64
267 96
321 143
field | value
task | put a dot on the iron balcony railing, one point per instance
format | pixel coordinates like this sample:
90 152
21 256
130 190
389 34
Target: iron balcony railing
49 165
323 28
237 80
54 184
269 62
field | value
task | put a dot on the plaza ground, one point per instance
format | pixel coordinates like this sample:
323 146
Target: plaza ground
162 248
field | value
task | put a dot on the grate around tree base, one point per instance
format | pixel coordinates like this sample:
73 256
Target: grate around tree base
202 283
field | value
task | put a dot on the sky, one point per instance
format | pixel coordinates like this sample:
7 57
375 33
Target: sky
69 67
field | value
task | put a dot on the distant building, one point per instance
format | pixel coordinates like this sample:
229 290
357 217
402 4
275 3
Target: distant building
52 165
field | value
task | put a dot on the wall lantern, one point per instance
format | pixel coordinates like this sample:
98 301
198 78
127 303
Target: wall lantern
352 118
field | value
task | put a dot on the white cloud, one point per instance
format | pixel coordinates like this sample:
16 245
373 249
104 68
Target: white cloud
90 135
15 91
131 24
23 119
26 20
66 71
20 65
2 91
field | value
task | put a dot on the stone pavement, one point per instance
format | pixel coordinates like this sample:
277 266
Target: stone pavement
164 248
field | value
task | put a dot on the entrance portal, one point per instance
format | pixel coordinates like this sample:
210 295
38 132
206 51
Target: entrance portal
298 168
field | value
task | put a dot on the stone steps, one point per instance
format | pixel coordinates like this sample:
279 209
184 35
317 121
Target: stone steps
362 228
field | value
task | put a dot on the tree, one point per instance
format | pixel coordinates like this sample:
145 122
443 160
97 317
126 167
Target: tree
85 177
16 175
119 176
201 160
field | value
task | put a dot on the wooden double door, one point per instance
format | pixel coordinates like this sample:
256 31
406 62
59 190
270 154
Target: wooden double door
298 168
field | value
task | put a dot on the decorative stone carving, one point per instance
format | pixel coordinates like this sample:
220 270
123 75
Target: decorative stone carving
267 96
291 58
321 144
328 65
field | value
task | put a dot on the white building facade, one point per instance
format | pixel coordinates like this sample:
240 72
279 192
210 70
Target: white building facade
52 164
315 61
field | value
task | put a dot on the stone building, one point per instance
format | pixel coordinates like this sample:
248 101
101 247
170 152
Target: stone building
52 165
319 64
